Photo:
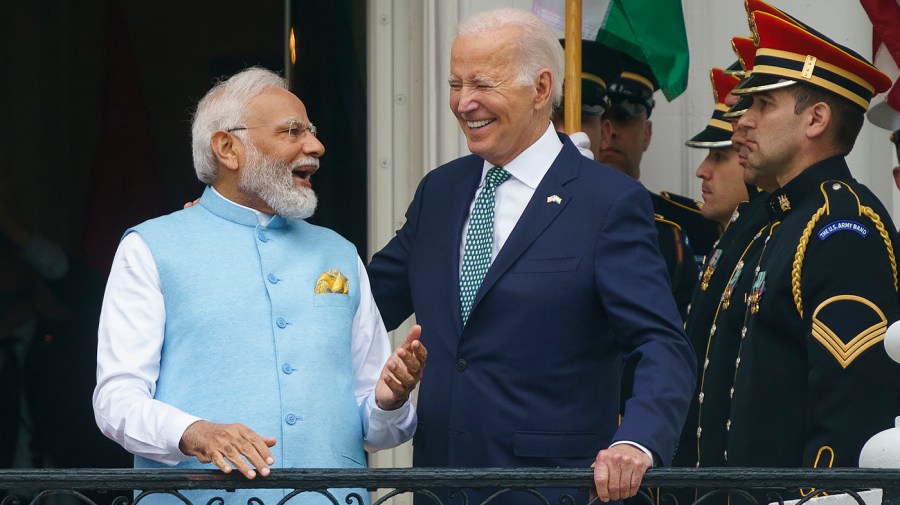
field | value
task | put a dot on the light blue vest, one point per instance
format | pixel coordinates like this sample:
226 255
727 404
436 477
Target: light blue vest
247 339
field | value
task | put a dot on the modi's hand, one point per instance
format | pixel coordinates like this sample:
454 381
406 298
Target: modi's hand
402 372
618 472
188 205
228 445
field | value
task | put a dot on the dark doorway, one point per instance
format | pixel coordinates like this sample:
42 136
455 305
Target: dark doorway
97 98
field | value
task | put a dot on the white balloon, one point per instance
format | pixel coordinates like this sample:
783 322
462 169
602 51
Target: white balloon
892 341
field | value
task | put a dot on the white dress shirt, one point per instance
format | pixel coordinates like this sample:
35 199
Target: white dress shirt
132 327
511 197
526 172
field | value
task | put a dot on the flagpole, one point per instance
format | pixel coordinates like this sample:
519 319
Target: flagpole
572 90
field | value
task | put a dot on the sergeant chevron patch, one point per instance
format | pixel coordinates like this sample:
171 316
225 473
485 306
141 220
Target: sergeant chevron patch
847 351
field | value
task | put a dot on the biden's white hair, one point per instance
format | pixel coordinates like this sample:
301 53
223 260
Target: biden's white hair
537 46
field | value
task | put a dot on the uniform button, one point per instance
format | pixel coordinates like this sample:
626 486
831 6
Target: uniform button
699 431
281 322
461 365
731 393
689 308
726 455
743 332
706 364
712 330
290 419
700 398
262 237
287 368
737 362
271 278
728 425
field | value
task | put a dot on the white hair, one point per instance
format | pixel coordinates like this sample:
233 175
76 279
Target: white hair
224 107
537 46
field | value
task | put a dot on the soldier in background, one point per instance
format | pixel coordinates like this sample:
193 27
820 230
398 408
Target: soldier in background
602 65
739 207
631 103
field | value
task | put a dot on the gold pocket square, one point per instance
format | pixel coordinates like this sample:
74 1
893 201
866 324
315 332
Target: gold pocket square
332 281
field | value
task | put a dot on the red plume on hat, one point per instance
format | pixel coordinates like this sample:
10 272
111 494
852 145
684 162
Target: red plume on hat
745 49
722 84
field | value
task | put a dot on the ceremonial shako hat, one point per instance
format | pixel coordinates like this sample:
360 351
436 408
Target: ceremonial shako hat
718 130
633 91
745 49
600 66
788 54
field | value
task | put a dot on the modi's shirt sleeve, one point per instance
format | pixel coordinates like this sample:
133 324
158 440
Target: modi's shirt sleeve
371 348
130 338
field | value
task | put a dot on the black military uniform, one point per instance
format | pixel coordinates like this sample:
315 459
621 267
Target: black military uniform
724 267
680 260
796 374
816 314
702 233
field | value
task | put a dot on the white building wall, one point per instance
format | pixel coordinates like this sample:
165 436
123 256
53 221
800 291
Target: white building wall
411 128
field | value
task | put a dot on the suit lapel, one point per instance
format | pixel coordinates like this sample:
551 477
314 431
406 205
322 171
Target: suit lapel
542 210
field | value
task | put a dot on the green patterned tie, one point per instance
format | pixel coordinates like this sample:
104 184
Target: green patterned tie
479 241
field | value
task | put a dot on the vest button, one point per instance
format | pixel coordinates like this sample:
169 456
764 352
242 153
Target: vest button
461 365
280 322
262 237
287 368
290 419
271 278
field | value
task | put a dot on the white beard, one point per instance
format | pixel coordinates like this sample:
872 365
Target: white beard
271 179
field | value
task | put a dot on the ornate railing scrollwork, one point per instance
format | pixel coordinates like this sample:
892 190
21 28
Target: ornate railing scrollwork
447 486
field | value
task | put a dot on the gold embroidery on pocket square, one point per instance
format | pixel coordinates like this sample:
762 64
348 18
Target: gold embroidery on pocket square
332 281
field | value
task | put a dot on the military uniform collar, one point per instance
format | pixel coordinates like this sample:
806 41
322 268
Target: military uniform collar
795 192
754 192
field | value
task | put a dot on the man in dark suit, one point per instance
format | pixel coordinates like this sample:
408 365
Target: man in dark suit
524 368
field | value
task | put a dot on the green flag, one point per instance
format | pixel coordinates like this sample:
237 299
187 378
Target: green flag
648 30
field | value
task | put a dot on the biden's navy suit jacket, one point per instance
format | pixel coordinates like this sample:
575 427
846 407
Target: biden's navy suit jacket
533 378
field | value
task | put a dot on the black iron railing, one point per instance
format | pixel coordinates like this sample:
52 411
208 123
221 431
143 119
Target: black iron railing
667 486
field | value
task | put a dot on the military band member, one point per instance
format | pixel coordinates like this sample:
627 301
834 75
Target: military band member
808 381
631 104
738 208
